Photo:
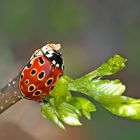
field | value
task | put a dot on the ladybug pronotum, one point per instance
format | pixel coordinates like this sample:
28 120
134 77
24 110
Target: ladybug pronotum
39 76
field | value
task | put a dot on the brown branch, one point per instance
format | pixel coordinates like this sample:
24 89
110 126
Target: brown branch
9 94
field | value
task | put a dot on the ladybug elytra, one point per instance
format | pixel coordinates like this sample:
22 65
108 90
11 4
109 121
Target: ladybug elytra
39 76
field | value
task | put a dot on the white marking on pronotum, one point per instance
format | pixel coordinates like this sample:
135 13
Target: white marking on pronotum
44 49
57 65
49 55
50 51
54 62
9 85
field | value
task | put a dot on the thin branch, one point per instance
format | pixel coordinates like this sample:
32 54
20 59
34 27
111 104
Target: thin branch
9 94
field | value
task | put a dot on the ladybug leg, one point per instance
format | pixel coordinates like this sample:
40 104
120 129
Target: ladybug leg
45 101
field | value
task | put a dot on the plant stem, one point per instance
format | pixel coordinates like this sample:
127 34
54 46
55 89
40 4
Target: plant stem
9 94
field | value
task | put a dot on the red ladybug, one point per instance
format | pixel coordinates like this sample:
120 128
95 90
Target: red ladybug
40 75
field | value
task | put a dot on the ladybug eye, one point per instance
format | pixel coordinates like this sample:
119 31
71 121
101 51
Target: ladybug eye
41 75
33 71
37 93
31 88
49 81
41 61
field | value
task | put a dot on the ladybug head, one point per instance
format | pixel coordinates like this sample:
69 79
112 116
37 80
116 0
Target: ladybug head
51 52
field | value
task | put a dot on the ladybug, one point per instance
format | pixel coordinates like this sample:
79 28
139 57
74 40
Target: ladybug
39 76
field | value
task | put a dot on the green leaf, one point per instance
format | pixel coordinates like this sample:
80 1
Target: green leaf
86 106
61 87
107 87
101 90
69 114
49 112
63 107
87 114
73 101
107 91
131 111
127 107
112 66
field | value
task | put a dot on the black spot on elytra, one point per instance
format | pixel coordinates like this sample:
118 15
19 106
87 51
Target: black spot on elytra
27 82
41 75
37 93
41 61
31 88
49 82
52 87
29 65
21 77
33 71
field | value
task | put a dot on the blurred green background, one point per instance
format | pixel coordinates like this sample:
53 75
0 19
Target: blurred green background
91 29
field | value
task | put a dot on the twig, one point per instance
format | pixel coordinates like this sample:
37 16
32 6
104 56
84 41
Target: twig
9 94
